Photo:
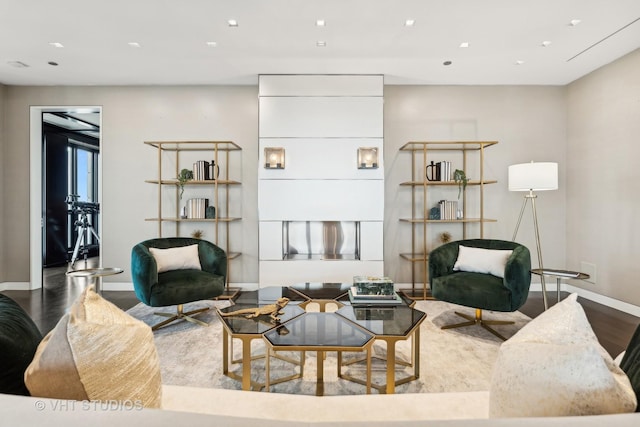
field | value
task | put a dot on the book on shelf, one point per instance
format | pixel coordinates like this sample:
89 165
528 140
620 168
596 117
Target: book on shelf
448 209
197 208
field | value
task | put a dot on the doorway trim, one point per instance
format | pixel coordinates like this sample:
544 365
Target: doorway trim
35 185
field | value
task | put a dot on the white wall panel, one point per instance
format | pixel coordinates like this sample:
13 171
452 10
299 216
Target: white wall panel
340 117
321 158
270 240
371 240
320 200
287 273
321 85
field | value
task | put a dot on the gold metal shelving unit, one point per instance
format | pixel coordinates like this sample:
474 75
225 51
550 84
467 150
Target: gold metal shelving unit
220 151
421 152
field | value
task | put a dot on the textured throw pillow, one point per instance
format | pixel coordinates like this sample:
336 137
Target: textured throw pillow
555 366
179 258
479 260
97 352
19 338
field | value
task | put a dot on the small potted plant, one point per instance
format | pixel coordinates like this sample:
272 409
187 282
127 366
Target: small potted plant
461 179
184 176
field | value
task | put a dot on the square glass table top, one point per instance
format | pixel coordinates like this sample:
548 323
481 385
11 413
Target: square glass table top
318 331
385 321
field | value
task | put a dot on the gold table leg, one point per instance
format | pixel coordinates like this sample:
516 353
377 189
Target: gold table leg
320 373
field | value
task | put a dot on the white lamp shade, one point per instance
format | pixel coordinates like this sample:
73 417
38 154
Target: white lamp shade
533 176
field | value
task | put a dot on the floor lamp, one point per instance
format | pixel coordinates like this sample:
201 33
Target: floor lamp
533 177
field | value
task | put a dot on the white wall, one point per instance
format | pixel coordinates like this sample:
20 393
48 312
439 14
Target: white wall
602 202
528 122
132 115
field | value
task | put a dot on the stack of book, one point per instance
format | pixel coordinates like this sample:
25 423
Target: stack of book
204 170
197 208
448 209
440 171
367 290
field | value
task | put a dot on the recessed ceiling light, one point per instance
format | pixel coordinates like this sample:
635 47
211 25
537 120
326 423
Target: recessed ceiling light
18 64
320 23
546 43
447 63
134 44
56 44
409 22
212 44
519 62
321 43
232 23
574 22
464 44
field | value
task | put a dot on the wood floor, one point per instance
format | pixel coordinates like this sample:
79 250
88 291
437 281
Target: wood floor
47 305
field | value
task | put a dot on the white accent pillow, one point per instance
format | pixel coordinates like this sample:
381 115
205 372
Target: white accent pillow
555 366
479 260
179 258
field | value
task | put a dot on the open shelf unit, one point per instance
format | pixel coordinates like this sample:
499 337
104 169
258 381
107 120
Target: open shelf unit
421 153
218 190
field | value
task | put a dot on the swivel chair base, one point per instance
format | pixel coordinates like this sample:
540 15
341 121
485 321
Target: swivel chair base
180 314
479 320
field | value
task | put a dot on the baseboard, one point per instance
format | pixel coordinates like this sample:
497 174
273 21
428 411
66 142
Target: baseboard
15 286
625 307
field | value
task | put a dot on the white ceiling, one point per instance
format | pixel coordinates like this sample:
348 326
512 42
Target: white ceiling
280 36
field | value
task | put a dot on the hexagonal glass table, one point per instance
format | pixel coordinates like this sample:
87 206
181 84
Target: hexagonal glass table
246 330
320 332
389 324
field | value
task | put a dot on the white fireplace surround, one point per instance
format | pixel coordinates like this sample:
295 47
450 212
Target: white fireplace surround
320 121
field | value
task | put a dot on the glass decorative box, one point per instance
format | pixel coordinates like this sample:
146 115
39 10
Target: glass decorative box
368 285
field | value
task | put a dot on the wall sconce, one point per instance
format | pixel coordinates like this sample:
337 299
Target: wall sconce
367 158
274 158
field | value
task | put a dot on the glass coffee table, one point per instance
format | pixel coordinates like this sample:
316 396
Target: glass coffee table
320 332
391 325
246 330
301 330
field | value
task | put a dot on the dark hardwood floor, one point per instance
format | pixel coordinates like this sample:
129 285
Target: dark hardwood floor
47 305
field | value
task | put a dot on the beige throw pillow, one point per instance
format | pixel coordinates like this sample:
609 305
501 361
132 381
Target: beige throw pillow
178 258
555 366
97 352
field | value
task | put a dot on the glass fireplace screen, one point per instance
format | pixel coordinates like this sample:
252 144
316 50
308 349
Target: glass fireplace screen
321 240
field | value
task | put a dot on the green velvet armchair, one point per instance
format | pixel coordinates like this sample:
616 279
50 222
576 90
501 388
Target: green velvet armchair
179 286
481 291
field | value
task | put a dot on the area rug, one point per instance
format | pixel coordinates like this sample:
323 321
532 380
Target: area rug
452 360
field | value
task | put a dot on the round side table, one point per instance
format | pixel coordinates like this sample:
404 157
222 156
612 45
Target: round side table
94 275
560 274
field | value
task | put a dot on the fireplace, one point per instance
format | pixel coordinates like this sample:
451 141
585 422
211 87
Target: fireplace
321 240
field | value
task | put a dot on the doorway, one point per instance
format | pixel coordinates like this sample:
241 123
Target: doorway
65 189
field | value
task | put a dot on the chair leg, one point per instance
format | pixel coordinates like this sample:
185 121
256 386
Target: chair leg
479 320
180 314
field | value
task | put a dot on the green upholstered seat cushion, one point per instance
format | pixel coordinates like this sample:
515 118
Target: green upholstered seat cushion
183 286
475 290
19 339
630 364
